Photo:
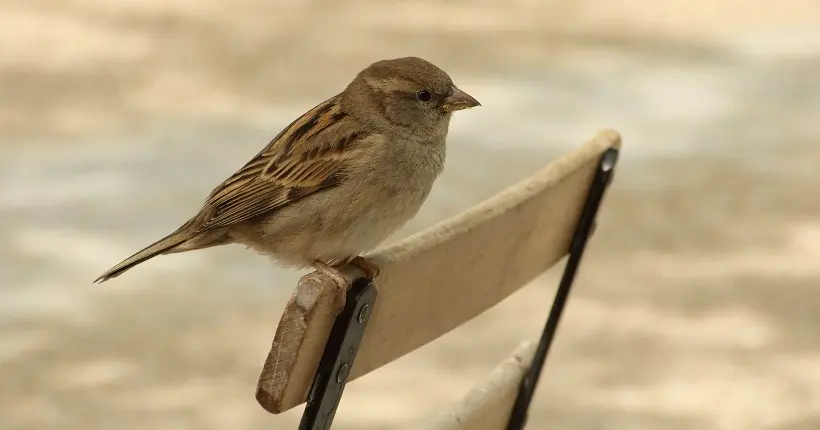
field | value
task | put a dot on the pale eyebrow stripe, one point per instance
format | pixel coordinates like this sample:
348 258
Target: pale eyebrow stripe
390 84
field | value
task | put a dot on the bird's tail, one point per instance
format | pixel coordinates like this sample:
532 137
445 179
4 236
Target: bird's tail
161 246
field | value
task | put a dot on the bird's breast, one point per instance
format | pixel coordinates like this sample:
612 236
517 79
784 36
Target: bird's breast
407 171
391 190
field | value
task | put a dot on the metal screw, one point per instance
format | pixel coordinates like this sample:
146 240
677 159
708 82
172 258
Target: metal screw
364 313
341 375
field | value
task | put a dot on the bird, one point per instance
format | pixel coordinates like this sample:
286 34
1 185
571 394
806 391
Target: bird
338 180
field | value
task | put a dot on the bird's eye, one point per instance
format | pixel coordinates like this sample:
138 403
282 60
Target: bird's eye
424 95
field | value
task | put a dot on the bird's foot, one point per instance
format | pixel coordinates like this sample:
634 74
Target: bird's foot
333 273
338 277
370 270
342 281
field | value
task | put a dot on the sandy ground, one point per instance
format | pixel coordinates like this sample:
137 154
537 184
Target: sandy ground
697 305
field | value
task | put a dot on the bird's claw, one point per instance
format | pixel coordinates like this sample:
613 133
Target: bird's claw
370 270
338 277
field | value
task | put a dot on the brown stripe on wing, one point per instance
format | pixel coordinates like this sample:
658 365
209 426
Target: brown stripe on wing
279 146
315 120
309 155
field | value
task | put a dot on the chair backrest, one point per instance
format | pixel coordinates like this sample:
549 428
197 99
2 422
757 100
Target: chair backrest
436 280
487 406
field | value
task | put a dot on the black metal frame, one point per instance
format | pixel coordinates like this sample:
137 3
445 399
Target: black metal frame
348 330
337 360
585 228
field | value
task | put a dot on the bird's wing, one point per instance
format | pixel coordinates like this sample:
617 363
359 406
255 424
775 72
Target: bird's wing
309 155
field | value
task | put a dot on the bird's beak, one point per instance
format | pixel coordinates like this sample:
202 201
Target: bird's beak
459 100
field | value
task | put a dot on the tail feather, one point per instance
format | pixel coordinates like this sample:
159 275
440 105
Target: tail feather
159 247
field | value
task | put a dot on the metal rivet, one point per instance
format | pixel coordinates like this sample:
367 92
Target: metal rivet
364 313
341 375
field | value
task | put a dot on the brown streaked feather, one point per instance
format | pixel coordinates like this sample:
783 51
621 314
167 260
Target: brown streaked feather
309 155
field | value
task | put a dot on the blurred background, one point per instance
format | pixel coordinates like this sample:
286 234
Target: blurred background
697 305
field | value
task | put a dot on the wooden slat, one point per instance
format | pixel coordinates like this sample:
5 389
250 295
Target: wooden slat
489 404
434 281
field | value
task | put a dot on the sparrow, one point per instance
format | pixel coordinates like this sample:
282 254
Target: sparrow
338 180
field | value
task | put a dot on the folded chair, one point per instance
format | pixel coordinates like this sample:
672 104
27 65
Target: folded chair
434 281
